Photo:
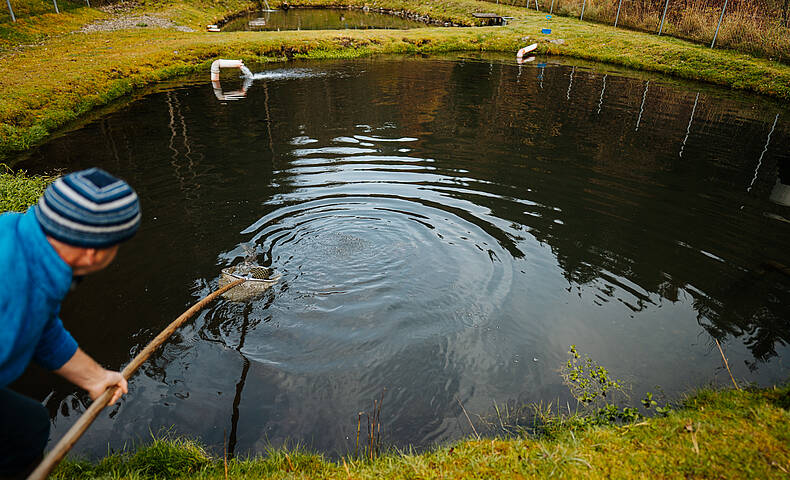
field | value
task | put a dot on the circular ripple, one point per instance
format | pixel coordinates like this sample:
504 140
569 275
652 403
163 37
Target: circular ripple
377 251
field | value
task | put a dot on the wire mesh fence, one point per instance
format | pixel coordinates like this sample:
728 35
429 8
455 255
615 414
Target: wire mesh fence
760 27
17 10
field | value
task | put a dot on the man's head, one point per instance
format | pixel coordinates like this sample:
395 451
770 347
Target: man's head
86 215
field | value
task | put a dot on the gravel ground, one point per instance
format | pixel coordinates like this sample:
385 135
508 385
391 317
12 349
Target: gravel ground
123 17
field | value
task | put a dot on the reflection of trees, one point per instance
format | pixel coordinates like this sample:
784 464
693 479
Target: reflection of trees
185 162
754 306
608 157
319 405
605 161
225 321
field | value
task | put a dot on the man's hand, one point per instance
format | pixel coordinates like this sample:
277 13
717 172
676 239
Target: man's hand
109 380
83 371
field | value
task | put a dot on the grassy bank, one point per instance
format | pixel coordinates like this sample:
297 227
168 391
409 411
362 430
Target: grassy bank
713 434
53 82
18 190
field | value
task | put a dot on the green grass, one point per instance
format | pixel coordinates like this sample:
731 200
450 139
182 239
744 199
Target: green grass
95 69
18 190
712 434
37 22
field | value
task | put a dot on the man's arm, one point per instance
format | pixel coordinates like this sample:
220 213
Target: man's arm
83 371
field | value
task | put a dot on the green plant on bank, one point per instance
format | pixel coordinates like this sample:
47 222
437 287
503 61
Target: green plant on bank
588 381
649 403
371 446
18 190
595 391
167 456
599 402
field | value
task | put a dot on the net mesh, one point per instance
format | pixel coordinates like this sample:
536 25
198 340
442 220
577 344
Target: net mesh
249 272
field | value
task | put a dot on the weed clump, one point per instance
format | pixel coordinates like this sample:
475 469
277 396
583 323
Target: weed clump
598 394
588 381
164 457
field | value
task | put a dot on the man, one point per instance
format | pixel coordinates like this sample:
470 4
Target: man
74 230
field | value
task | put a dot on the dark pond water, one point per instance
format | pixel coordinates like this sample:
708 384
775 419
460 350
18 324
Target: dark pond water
318 19
445 229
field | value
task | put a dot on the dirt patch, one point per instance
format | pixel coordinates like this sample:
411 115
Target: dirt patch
123 17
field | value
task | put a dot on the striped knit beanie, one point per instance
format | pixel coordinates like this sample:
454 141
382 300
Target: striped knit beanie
90 209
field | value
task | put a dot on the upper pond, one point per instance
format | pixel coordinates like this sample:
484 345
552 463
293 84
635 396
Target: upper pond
318 19
445 229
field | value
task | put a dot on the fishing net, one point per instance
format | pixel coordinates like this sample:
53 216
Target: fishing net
257 280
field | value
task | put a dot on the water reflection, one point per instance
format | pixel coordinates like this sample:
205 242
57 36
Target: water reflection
437 242
642 106
780 194
318 19
688 128
600 100
762 154
234 94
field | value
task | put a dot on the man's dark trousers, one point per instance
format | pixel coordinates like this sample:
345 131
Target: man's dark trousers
24 432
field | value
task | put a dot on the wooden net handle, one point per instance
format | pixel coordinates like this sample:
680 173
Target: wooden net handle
75 432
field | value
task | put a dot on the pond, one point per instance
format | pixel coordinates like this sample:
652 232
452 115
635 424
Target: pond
445 229
318 19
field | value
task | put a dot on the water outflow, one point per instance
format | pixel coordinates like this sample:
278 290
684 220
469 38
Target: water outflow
248 78
215 79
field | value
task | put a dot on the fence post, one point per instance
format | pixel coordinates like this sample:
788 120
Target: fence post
56 6
88 2
11 10
552 8
618 13
719 25
583 5
536 6
661 28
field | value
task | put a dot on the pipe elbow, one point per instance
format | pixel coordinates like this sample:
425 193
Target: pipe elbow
216 65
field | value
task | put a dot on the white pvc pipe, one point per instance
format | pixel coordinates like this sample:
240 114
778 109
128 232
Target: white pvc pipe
222 63
526 50
56 6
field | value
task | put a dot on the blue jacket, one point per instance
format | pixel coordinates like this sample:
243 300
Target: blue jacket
33 282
